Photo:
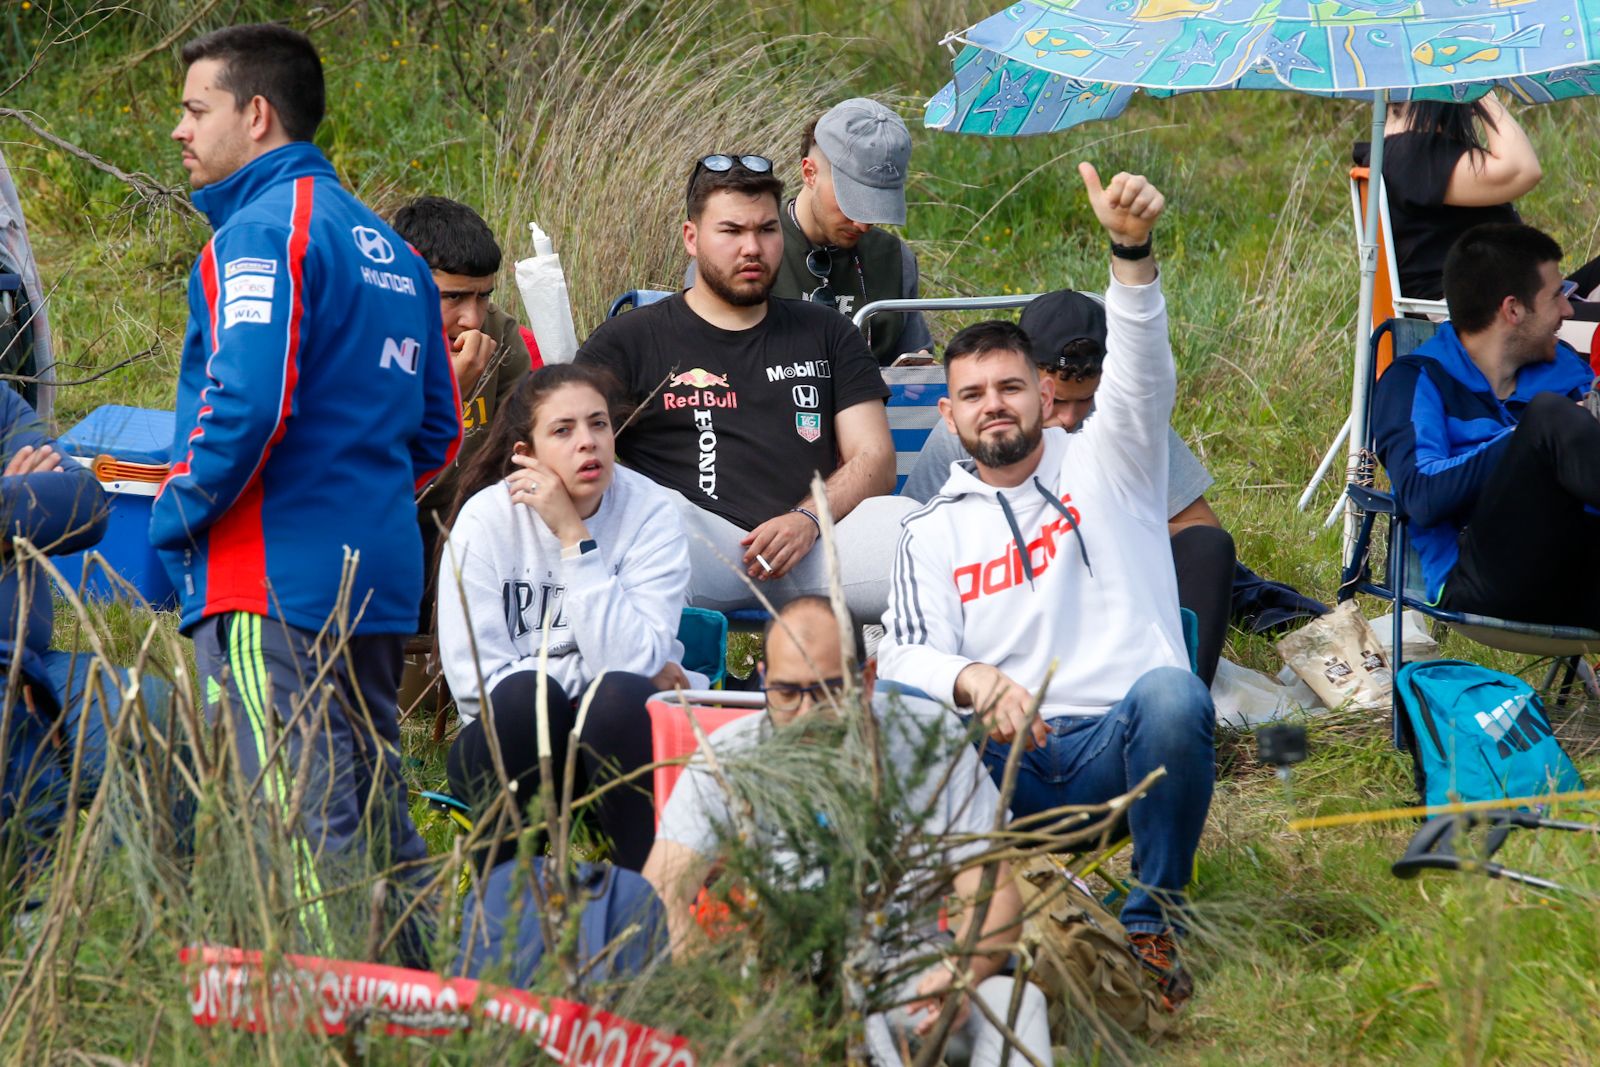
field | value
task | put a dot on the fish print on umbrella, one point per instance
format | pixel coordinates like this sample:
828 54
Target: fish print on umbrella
1162 10
1472 44
1088 92
1074 43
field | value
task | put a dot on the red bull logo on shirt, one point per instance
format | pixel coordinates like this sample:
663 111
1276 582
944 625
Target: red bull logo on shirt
699 378
703 386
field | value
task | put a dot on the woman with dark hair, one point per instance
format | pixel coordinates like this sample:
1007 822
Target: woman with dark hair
560 563
1446 168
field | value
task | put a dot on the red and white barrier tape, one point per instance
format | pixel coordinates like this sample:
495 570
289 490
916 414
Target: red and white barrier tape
228 987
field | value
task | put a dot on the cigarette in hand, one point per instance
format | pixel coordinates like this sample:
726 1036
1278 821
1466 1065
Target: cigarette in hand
763 561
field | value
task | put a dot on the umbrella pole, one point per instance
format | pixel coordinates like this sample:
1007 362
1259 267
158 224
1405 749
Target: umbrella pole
1363 341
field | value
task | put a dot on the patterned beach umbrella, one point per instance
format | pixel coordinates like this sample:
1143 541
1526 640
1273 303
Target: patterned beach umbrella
1046 65
1042 66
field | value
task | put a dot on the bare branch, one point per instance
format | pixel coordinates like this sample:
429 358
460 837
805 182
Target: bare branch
148 188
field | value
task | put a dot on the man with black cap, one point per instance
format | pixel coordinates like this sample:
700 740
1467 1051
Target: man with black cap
1068 331
853 165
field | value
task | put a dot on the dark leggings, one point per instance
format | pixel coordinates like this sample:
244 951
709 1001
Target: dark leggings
1203 557
615 741
1525 549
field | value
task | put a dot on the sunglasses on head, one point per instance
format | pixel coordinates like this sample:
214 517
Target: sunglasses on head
722 162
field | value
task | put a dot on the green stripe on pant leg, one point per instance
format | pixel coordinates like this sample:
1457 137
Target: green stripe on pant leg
307 879
254 681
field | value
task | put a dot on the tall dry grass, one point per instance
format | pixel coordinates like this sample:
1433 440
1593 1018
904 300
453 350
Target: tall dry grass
606 115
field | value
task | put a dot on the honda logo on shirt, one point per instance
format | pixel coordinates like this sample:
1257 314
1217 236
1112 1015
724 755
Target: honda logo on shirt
403 353
372 244
805 396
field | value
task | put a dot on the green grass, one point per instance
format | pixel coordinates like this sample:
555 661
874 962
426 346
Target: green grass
1309 951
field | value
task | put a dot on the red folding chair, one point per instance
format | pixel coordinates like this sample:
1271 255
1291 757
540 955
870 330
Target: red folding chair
671 736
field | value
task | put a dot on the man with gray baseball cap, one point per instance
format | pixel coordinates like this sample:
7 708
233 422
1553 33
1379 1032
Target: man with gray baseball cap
853 167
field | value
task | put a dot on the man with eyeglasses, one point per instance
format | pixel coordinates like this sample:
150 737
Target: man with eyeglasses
1488 441
952 797
741 397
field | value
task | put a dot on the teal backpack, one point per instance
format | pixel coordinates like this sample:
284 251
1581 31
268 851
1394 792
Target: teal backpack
1478 734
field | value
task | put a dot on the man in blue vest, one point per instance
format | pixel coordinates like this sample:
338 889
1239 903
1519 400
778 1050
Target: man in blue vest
315 397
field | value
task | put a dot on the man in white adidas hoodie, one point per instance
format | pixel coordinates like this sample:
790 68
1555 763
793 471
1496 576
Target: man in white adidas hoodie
1051 548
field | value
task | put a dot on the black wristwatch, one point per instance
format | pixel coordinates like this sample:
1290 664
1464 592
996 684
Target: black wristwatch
1131 251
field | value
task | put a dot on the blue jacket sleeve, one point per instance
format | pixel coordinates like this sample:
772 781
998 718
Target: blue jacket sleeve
60 511
248 310
437 442
1431 485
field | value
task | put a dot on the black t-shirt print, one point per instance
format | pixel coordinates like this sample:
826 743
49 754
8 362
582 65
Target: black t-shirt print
739 419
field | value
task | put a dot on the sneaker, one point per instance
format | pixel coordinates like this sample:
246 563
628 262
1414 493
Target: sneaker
1158 954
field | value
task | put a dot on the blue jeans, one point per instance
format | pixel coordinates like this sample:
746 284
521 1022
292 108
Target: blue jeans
1166 720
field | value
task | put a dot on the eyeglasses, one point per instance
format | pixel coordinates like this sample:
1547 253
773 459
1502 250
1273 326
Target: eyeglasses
784 697
819 261
1568 288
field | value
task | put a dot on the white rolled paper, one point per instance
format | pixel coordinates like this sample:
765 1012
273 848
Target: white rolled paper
543 286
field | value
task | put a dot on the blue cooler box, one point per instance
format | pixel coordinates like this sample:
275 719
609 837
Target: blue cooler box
133 447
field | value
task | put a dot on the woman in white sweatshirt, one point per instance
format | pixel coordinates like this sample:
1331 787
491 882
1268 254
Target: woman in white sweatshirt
549 535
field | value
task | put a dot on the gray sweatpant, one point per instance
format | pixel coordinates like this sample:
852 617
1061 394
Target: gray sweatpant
326 721
867 538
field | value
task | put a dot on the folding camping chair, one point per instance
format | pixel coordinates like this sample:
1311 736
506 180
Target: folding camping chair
1564 645
1388 302
672 738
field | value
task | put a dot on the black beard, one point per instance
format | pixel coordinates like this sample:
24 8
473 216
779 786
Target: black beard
1012 448
721 285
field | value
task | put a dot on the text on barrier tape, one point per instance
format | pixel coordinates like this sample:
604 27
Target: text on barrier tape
229 987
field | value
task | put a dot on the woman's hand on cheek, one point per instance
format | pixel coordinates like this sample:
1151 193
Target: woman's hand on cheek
536 485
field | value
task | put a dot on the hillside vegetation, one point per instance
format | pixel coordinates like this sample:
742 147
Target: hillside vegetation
584 116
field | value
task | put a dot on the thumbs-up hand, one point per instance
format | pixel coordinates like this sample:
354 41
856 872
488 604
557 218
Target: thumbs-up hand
1127 206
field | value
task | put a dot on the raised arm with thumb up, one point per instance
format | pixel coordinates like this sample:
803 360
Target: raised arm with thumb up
1128 207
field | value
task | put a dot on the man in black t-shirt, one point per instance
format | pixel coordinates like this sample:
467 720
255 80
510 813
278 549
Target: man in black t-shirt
742 398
